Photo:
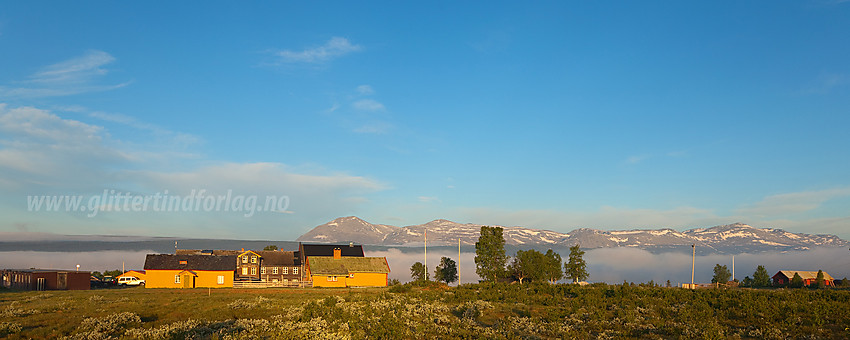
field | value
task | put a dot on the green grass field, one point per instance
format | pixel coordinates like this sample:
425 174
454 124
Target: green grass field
471 311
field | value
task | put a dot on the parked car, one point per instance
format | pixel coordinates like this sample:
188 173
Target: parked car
130 281
97 283
109 281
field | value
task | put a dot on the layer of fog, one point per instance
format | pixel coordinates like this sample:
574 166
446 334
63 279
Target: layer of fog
611 265
614 265
88 261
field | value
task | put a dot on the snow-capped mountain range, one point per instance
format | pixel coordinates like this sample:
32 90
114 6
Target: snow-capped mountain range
732 238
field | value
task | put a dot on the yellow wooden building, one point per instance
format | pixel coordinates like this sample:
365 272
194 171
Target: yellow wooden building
189 271
338 271
140 274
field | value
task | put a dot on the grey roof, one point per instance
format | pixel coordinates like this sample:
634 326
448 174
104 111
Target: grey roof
193 262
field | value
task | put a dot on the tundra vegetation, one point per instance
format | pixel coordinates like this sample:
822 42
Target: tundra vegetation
428 309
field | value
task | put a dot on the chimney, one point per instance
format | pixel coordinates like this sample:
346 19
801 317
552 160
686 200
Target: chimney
337 253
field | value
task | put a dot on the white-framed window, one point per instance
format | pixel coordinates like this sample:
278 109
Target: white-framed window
245 259
295 270
285 270
274 270
263 270
176 278
331 278
244 270
253 270
253 259
221 279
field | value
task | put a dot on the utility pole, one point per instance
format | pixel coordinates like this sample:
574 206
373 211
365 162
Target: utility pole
693 264
733 267
458 261
426 255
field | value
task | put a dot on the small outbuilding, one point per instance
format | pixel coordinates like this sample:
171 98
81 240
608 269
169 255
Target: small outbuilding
783 277
46 279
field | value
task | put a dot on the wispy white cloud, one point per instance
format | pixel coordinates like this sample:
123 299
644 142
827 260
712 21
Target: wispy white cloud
311 192
41 152
74 76
377 127
175 139
335 47
368 105
44 149
361 119
428 199
58 91
75 70
791 203
333 108
826 83
635 159
365 90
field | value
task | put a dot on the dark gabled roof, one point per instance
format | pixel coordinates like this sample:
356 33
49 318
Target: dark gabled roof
327 265
328 250
278 258
193 262
270 257
207 252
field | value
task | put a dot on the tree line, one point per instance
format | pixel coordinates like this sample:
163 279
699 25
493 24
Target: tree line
492 263
761 279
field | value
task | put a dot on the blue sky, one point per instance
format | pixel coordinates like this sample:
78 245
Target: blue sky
553 115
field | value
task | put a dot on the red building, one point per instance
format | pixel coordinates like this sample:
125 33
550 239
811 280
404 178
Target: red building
783 277
45 279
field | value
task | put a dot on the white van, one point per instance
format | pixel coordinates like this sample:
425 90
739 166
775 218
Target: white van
130 281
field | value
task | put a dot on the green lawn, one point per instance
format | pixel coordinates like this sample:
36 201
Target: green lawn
471 311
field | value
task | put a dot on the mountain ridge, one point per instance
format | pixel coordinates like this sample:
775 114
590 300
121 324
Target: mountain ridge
729 238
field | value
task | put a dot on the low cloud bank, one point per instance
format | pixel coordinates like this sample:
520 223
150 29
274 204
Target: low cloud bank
611 265
614 265
88 261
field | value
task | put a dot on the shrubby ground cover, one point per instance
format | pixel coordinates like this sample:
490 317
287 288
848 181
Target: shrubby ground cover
428 310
